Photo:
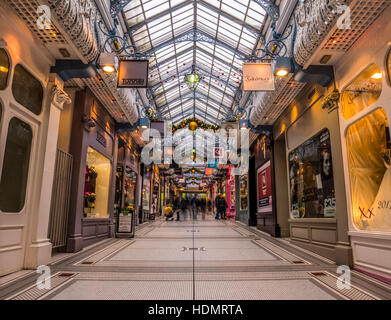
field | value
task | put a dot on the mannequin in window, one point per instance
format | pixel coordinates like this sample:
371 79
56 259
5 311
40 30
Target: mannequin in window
90 182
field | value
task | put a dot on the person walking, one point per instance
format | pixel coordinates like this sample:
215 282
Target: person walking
194 208
203 208
184 208
177 207
217 205
223 207
209 205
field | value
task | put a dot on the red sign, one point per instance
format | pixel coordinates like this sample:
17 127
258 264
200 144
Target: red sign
219 152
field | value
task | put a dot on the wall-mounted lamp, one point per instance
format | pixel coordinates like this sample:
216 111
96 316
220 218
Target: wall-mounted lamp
108 62
283 66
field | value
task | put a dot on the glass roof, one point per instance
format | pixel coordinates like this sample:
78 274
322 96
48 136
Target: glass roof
210 36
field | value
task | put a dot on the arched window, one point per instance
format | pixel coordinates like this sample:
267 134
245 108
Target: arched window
364 91
27 90
13 181
4 69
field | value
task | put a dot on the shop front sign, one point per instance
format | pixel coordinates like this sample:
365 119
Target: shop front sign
258 77
132 74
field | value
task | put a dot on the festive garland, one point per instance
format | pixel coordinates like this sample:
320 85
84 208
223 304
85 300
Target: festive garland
200 124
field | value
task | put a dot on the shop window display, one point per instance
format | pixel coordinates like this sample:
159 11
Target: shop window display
312 190
118 187
16 161
146 194
389 67
243 183
369 158
4 69
362 92
130 188
97 185
27 90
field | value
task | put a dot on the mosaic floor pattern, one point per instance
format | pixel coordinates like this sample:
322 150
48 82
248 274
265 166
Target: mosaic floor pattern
194 260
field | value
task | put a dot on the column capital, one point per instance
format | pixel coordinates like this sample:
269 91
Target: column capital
59 97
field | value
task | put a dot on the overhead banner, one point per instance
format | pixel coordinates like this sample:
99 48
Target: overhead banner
132 74
258 77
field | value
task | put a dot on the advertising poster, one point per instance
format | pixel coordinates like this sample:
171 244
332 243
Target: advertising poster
264 184
311 180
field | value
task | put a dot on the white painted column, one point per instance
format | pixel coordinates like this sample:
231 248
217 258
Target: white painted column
38 249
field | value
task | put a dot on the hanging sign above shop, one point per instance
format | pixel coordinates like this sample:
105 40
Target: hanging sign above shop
132 74
219 152
258 77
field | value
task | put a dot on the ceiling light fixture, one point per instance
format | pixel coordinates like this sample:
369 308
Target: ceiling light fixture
377 76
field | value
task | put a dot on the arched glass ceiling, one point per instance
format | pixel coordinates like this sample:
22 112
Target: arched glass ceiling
213 35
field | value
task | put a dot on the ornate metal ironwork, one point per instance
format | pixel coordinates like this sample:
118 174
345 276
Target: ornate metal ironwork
331 101
165 61
195 95
116 7
271 9
201 72
197 36
116 43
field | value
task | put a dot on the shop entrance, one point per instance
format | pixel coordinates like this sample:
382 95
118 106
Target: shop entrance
20 119
282 185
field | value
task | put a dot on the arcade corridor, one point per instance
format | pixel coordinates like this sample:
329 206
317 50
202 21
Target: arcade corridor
269 118
202 260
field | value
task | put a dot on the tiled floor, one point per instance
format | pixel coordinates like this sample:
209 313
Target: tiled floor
194 260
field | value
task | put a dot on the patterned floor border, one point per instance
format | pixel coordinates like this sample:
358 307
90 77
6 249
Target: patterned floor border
323 279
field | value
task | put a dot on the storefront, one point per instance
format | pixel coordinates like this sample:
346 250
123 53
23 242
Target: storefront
314 176
242 199
231 193
155 197
146 194
93 147
264 195
31 101
364 77
127 173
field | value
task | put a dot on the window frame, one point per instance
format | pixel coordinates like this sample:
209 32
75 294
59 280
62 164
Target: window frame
10 71
37 79
30 160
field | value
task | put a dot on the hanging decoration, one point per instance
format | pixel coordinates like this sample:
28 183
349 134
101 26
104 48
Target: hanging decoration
192 80
200 124
193 126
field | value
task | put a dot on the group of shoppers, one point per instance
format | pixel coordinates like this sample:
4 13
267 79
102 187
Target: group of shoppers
189 205
192 207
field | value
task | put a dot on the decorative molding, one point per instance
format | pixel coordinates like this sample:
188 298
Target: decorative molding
331 100
59 97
